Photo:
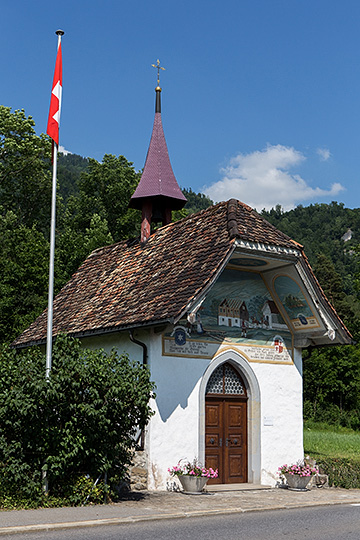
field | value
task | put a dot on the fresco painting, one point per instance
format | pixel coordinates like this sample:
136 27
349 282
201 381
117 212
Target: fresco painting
294 302
240 311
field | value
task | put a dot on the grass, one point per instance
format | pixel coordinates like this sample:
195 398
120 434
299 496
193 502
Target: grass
331 441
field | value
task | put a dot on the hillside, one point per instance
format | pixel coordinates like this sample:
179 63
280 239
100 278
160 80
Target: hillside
70 167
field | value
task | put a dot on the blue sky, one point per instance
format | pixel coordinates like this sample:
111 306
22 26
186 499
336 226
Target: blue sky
260 101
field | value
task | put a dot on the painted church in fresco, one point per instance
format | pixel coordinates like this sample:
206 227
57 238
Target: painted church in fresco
219 305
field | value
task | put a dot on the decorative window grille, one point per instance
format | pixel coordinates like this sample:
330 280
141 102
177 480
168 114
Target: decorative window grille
225 380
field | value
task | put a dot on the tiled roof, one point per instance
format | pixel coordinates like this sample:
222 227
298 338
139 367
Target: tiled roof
246 224
127 285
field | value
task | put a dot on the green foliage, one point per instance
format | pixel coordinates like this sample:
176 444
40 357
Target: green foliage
81 421
196 201
331 385
105 189
347 306
342 472
69 169
83 489
25 180
23 275
73 246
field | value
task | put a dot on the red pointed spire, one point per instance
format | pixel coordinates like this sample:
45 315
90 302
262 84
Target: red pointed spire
158 192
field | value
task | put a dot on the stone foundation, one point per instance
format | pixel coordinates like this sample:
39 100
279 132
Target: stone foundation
319 480
139 471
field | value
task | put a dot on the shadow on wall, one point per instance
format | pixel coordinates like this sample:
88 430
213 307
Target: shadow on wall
175 390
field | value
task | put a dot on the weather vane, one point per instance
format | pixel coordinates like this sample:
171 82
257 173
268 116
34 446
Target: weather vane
158 67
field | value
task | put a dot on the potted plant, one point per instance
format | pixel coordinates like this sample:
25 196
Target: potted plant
298 475
192 476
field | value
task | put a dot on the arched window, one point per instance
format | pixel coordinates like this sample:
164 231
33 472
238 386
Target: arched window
226 380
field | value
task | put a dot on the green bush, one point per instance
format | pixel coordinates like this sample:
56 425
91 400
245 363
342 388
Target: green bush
342 472
80 422
83 489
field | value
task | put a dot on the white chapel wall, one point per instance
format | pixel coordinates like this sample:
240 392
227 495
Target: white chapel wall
176 432
174 429
281 416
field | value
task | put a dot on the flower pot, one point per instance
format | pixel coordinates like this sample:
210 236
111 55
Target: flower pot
192 484
295 481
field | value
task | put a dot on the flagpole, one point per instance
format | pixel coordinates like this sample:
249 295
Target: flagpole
59 33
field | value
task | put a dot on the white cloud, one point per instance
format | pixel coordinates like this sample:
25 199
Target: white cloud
263 179
64 151
323 153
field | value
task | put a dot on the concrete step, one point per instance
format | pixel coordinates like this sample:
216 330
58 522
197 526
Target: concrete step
235 487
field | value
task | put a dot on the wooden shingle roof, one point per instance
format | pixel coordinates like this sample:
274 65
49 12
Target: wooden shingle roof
126 285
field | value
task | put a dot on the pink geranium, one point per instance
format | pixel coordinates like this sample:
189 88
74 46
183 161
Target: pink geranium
192 469
300 469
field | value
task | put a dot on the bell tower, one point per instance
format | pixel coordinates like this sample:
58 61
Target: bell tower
158 192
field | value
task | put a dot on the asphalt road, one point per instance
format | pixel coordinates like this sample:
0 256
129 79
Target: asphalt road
340 522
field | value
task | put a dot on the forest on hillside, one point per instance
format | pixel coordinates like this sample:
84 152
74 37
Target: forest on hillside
92 211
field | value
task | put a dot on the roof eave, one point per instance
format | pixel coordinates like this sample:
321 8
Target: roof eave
97 332
334 325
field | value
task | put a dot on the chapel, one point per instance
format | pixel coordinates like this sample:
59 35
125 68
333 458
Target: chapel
219 306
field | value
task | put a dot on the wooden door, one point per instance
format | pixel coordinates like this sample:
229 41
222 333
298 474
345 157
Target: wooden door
235 449
226 439
226 425
214 437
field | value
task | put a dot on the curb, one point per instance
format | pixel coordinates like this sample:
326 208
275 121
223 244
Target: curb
155 517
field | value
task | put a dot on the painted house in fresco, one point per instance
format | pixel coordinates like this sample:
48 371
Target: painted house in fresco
272 316
233 312
227 395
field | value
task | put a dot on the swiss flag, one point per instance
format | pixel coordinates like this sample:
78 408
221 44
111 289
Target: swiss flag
55 102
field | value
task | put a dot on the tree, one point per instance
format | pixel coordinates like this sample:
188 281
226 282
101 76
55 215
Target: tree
82 421
331 385
106 190
23 275
196 201
73 246
332 284
25 179
69 169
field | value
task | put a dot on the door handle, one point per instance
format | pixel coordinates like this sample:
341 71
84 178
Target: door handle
231 441
220 442
212 440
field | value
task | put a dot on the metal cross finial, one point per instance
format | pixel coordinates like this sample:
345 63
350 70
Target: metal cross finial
158 67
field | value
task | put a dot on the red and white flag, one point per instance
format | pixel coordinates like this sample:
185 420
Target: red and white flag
55 102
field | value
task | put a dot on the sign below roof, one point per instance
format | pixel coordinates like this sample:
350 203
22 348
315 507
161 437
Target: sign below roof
181 343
